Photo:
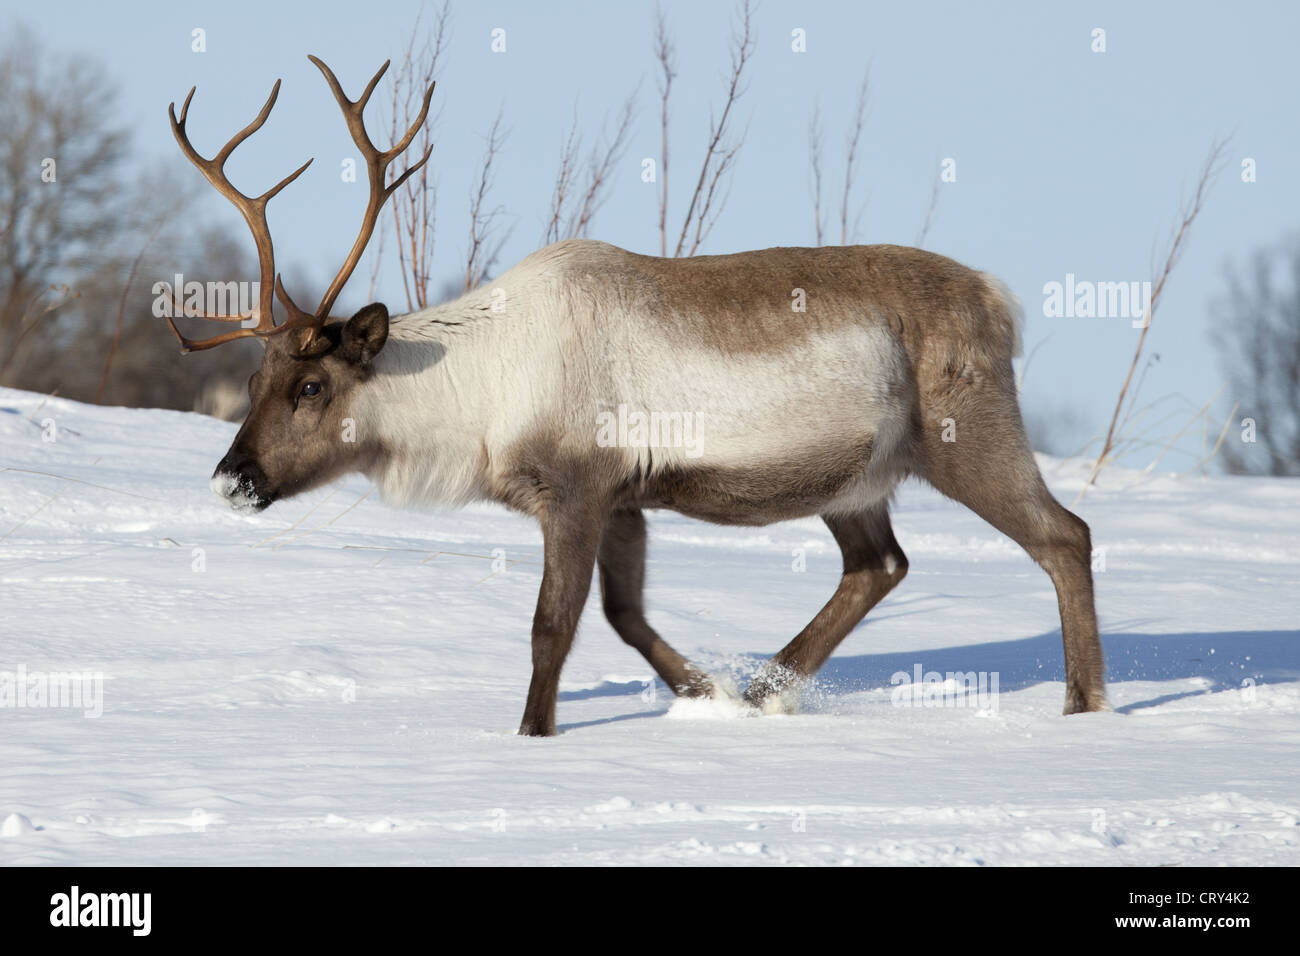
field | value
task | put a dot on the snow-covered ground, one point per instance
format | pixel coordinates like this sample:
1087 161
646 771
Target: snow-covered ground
336 682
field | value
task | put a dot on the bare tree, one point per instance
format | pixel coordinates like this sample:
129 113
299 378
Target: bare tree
1258 336
565 180
485 236
665 54
106 343
816 158
571 212
816 143
1191 209
121 308
60 176
931 207
852 141
414 209
77 266
43 305
711 186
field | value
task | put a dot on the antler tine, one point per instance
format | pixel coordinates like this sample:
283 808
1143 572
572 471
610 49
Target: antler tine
392 188
185 107
258 122
377 163
354 114
190 345
405 141
353 110
297 317
270 193
252 208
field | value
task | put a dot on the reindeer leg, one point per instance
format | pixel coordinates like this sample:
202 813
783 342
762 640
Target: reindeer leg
991 469
621 560
570 537
873 566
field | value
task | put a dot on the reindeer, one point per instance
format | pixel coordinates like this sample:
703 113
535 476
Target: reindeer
496 396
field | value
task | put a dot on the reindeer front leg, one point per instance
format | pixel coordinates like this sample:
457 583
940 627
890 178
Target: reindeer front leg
570 538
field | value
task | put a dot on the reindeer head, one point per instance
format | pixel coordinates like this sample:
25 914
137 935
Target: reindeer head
296 434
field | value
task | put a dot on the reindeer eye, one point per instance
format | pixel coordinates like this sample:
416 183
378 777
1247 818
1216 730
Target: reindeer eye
310 389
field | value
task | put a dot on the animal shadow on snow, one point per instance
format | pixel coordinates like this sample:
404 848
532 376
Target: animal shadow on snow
1223 659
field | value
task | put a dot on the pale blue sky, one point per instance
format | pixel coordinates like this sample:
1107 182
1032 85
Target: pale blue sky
1067 160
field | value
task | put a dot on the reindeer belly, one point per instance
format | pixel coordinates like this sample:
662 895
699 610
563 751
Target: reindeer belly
760 493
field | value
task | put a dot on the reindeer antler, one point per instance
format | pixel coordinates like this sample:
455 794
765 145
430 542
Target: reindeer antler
377 164
253 209
254 213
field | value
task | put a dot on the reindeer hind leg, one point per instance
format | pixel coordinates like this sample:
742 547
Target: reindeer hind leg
874 564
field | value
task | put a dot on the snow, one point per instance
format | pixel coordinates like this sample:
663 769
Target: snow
335 682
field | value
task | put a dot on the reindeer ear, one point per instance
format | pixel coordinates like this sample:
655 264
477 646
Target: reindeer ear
365 334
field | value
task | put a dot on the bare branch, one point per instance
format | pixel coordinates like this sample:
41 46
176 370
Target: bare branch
742 49
1209 172
415 203
600 166
851 143
704 222
571 214
564 176
816 138
484 245
121 307
33 316
665 53
930 208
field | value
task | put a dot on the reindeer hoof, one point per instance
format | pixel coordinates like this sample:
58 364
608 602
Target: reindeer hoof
1090 703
